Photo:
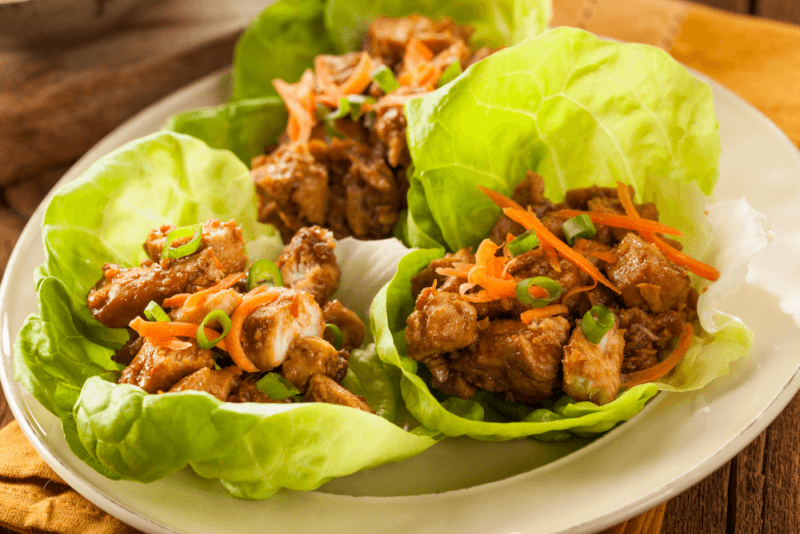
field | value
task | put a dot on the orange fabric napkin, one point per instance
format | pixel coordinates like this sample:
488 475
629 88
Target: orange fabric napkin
755 58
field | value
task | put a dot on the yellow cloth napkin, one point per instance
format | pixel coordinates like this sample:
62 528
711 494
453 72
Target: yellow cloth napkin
757 59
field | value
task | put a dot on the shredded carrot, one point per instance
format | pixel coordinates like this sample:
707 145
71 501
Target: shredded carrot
166 330
299 100
417 68
674 255
393 100
540 313
608 257
325 80
197 299
662 368
170 343
360 79
253 300
175 301
458 273
576 290
624 221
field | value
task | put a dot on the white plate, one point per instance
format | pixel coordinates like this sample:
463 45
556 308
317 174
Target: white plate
507 487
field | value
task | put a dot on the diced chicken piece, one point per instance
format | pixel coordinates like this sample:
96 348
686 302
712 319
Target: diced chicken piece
592 372
534 263
308 263
311 356
269 332
123 294
585 247
646 277
157 368
246 391
427 276
342 67
386 38
129 350
447 380
226 300
292 189
509 307
529 193
225 239
347 321
441 322
606 200
647 335
323 389
518 360
216 382
389 128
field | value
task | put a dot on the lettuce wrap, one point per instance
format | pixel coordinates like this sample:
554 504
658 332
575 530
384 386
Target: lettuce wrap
283 41
63 356
578 110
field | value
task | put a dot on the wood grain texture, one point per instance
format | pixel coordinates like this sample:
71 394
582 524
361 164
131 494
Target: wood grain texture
783 10
737 6
700 509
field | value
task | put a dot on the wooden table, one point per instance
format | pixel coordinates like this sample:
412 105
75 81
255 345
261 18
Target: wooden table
55 103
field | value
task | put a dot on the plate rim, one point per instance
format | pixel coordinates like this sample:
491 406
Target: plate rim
657 495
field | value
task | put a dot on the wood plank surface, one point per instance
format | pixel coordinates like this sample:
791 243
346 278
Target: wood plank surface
56 103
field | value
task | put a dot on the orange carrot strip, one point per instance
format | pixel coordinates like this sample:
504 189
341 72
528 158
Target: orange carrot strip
417 52
393 100
175 301
251 302
170 343
540 313
458 273
576 290
624 221
531 222
662 368
360 79
299 100
551 255
324 78
162 330
674 255
198 298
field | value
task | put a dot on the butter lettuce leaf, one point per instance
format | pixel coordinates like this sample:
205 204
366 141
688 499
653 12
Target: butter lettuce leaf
63 356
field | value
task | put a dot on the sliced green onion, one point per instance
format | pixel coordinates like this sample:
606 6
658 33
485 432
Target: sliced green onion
341 111
385 79
523 243
552 287
578 226
596 323
216 315
276 386
195 230
264 272
154 312
338 339
356 101
449 74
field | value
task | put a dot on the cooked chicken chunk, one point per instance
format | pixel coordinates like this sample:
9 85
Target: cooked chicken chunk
428 275
216 382
123 294
157 368
226 300
270 331
386 38
310 356
518 360
647 334
129 350
389 128
225 239
246 391
646 277
292 189
349 324
529 193
323 389
342 67
441 322
592 372
534 263
308 263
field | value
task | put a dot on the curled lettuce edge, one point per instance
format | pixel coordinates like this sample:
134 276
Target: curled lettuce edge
63 357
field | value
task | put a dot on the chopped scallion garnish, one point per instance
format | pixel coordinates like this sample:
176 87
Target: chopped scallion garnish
338 339
216 315
596 323
341 111
578 226
154 312
523 243
385 79
195 230
552 287
450 73
264 272
276 386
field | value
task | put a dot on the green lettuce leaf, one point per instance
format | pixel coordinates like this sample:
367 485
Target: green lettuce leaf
576 109
63 356
579 111
283 41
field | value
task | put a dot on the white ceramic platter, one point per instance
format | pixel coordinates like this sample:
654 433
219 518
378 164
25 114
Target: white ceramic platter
463 486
